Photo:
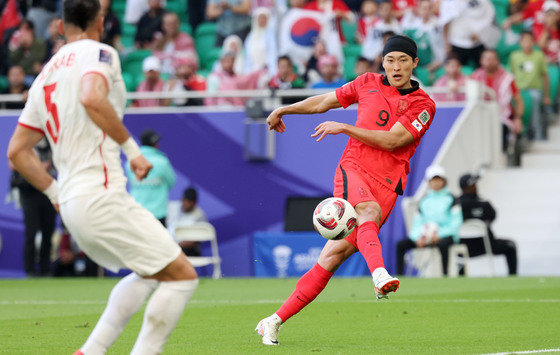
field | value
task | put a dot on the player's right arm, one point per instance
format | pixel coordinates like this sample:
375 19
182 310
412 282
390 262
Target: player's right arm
94 98
315 104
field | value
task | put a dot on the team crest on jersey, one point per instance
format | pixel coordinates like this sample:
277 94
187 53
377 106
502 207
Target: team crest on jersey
424 117
105 56
417 125
403 105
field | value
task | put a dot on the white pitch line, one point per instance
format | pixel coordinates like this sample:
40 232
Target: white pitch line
232 302
528 352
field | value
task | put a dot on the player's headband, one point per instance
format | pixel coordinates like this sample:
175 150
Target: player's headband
400 44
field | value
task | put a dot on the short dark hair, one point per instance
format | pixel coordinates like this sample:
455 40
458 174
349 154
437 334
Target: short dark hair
527 33
285 57
80 13
27 23
190 194
452 56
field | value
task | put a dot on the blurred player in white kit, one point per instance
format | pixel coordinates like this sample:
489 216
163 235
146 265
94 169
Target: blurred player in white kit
77 102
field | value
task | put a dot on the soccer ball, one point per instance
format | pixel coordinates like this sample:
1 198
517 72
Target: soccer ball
334 218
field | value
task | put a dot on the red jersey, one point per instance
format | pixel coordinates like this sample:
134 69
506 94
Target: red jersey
380 106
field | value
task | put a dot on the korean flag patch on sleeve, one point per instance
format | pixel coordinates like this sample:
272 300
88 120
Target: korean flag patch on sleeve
424 117
105 56
417 125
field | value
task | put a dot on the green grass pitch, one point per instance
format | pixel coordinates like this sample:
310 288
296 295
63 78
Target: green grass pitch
425 316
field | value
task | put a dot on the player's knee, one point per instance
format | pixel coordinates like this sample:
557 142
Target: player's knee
368 211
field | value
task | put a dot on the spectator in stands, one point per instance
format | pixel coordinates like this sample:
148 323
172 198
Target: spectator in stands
465 24
38 216
530 71
285 77
72 261
311 73
373 43
190 214
55 39
548 35
232 17
532 12
336 8
234 44
111 26
495 76
135 9
41 12
16 78
401 7
261 48
171 44
362 66
154 83
424 28
224 77
185 73
27 51
153 191
330 76
437 222
298 4
367 20
474 207
454 80
149 24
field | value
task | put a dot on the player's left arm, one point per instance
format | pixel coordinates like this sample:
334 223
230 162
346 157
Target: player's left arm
398 136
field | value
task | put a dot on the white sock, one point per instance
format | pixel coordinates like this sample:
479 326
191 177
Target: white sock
125 300
276 318
162 315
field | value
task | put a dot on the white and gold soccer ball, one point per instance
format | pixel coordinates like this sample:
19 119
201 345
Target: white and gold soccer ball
334 218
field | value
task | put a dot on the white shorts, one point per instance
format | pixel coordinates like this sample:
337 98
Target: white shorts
116 232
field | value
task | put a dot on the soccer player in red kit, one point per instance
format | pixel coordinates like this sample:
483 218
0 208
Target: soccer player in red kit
393 115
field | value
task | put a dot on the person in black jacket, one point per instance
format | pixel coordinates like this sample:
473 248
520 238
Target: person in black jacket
38 215
475 207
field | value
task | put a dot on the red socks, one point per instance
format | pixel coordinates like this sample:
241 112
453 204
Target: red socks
308 287
369 245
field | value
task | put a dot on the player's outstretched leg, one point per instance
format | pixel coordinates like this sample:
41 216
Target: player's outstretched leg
309 286
178 281
369 218
126 298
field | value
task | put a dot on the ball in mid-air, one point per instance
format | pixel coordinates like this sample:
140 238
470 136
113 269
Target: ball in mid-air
334 218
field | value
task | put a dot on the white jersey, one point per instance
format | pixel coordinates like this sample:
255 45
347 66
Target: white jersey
86 159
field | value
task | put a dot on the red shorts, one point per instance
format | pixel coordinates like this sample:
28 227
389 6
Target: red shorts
355 185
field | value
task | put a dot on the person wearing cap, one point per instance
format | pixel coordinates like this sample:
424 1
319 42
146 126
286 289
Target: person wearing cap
393 115
330 77
437 222
153 191
548 35
473 206
154 83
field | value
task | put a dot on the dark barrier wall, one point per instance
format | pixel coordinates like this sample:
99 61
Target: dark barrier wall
239 196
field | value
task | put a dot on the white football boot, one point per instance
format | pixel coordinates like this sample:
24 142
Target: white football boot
384 283
268 328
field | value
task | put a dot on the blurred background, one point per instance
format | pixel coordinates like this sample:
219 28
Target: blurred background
201 78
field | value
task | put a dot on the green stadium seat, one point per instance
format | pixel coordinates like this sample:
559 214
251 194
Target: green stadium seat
205 39
423 75
129 81
527 108
352 50
349 64
127 41
186 27
439 73
349 30
119 8
132 64
502 9
128 30
554 78
4 83
467 70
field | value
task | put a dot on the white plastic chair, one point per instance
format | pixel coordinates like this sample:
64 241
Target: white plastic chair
202 232
476 228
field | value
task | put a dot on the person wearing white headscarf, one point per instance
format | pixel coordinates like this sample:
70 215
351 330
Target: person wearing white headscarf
234 44
261 48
